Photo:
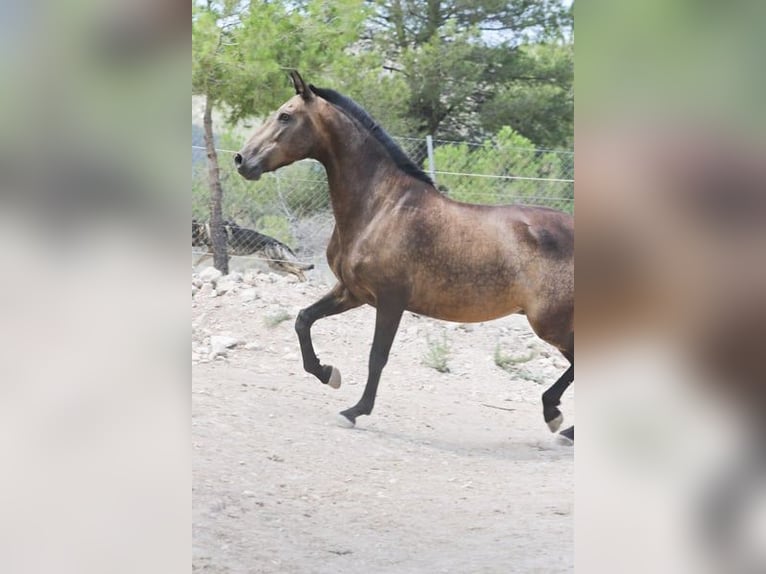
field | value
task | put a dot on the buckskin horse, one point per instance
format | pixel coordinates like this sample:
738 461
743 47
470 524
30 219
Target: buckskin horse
400 245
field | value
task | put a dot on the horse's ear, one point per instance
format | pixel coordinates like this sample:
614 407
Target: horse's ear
300 86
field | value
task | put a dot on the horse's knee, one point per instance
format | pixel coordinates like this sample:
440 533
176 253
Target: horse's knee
302 322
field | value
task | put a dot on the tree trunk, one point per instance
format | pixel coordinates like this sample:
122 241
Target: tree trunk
397 18
218 235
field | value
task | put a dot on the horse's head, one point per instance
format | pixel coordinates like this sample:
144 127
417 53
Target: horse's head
287 136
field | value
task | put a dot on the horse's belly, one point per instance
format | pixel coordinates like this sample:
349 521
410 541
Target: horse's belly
465 311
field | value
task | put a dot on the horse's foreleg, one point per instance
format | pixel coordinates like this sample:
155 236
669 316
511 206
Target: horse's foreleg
336 301
552 399
386 324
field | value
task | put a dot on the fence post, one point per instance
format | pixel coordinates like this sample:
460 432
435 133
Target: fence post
431 165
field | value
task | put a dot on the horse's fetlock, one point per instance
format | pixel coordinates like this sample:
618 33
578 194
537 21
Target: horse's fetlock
324 373
550 400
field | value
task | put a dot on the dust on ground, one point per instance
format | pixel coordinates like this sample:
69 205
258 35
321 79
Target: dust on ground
452 472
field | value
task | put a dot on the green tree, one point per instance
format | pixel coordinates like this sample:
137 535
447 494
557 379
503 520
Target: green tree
471 67
517 173
540 103
240 53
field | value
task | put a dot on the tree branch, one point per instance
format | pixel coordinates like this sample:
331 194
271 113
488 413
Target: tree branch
392 69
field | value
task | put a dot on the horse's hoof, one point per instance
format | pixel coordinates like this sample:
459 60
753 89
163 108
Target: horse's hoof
555 423
334 381
344 421
566 437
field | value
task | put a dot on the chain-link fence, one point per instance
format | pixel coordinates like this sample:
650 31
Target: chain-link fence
293 205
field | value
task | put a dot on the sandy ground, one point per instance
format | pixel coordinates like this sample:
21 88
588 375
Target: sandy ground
452 472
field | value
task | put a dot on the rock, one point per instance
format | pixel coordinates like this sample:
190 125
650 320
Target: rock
210 275
197 282
220 343
253 346
194 290
224 285
250 277
235 277
227 341
207 290
249 294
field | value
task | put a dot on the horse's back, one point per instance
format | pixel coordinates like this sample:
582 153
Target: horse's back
463 262
522 234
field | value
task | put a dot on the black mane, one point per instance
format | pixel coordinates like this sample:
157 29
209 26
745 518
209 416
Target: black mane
355 111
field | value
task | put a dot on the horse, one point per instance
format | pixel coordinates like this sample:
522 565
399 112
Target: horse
243 241
400 245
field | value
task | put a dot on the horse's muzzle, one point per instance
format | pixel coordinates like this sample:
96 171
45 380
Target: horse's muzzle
251 171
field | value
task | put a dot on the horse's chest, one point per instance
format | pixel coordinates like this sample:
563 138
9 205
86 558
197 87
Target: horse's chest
365 262
356 273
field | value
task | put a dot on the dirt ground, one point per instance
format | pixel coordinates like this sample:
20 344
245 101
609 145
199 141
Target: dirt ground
452 472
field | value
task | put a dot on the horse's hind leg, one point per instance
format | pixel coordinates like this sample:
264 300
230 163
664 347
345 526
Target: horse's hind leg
568 434
336 301
386 324
548 327
552 399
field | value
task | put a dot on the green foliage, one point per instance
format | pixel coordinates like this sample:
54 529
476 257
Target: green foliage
275 318
240 56
454 69
471 67
508 362
268 205
511 155
443 73
437 354
540 106
276 226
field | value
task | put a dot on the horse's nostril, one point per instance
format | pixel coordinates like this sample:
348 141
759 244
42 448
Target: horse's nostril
237 159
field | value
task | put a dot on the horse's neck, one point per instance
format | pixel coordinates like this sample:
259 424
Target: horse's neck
356 165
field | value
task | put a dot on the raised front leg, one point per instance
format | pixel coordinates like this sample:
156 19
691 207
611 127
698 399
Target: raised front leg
338 300
552 399
386 324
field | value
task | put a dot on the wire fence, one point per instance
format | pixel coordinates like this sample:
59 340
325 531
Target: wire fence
292 205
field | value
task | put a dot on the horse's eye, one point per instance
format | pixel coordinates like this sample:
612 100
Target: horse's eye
283 117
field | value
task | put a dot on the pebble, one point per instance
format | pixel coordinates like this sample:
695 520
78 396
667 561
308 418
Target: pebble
220 343
210 275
